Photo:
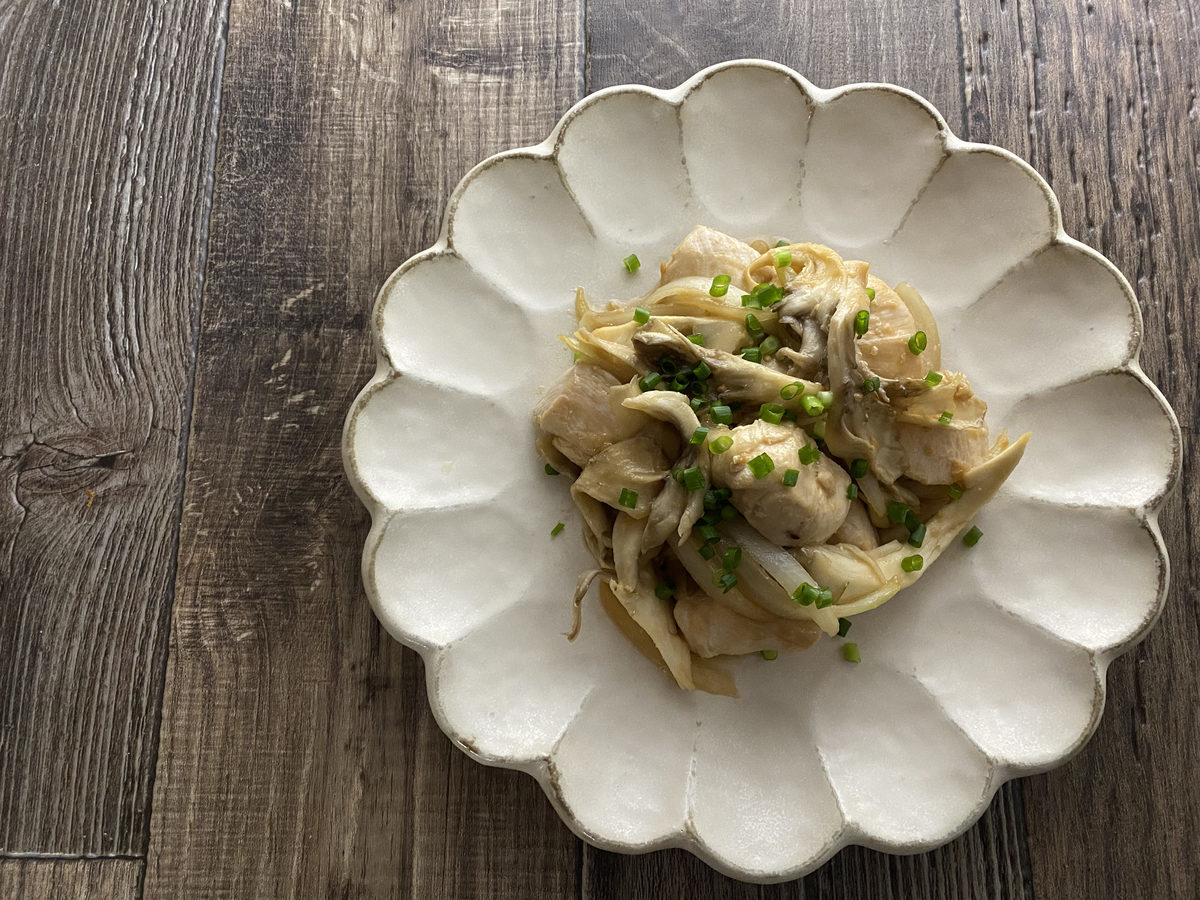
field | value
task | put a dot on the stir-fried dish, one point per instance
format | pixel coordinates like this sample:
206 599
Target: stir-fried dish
762 447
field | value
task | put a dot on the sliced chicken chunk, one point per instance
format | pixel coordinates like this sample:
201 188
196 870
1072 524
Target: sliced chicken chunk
581 414
710 253
789 516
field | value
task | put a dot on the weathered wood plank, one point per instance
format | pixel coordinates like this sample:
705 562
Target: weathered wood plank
77 879
299 757
107 130
1105 106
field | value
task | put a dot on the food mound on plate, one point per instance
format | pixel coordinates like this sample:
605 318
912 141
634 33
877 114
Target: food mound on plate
762 447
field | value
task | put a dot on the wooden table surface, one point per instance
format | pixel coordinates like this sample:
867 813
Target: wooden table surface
198 202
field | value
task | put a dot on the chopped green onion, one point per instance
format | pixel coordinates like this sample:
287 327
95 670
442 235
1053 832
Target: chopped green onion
628 498
911 521
641 315
632 263
649 382
912 563
722 414
852 492
720 445
771 412
791 391
769 655
762 465
677 474
727 582
697 404
843 627
971 538
809 454
707 551
664 590
812 405
917 537
732 558
752 354
769 345
708 534
870 293
720 286
783 259
753 325
917 343
790 477
782 243
955 491
701 370
933 378
870 385
850 652
550 470
751 302
826 398
728 512
806 594
945 417
557 529
766 294
858 468
897 511
699 435
693 478
679 383
862 321
819 430
697 339
824 598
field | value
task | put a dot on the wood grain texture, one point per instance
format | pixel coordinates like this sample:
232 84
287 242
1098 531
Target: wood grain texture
106 133
1105 106
298 755
71 879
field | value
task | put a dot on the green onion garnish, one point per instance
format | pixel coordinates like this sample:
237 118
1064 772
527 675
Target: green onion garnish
628 498
791 391
819 430
632 263
933 378
677 474
550 470
912 563
732 558
720 286
699 435
762 465
826 398
806 594
766 294
693 478
852 492
664 591
850 652
649 382
790 477
696 339
858 468
726 582
917 537
782 243
870 385
708 534
897 511
824 598
701 370
843 627
870 293
721 444
971 538
753 325
557 529
771 412
911 521
707 551
697 404
783 259
945 417
955 491
769 345
862 321
641 315
751 302
809 454
722 414
812 405
769 655
917 343
752 354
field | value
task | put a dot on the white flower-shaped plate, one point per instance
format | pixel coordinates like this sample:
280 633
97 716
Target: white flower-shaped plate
991 667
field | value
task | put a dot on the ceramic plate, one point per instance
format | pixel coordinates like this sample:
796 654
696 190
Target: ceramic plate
990 667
